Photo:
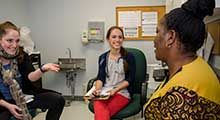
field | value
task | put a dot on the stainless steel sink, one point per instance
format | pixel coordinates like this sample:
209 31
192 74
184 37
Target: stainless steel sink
72 63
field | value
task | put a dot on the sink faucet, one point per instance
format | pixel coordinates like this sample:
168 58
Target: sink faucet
69 52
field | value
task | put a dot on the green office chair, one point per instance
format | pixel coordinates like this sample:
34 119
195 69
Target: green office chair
140 86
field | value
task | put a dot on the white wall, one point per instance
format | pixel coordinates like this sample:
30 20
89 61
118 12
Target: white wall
217 3
57 25
15 11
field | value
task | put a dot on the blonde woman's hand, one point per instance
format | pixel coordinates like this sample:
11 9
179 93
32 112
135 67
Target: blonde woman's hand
50 67
15 111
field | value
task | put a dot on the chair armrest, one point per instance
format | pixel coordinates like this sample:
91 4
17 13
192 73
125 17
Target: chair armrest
90 84
143 100
147 77
144 92
144 86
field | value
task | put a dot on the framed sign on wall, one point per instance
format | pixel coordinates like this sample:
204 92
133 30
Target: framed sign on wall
139 22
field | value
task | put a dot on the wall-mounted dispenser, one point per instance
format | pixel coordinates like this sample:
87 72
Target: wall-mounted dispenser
84 37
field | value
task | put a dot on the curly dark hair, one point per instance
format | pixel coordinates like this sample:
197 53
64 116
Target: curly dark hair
187 22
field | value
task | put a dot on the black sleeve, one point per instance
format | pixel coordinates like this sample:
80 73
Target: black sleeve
130 75
26 67
1 96
101 69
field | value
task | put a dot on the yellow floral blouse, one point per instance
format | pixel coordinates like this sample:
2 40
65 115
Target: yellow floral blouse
191 94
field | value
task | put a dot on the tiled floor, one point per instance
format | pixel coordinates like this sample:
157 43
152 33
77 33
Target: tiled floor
78 111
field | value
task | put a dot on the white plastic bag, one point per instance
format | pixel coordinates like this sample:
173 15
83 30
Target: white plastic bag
25 40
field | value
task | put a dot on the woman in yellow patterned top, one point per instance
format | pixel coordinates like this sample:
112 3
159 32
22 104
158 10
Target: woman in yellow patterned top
191 89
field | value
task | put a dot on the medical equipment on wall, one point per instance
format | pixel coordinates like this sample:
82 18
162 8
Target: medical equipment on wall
95 32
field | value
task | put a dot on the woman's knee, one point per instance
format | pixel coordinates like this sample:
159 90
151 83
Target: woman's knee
53 99
61 100
58 99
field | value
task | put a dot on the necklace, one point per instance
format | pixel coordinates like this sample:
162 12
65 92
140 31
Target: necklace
8 74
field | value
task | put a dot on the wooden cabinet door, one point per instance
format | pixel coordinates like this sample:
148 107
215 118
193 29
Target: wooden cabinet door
214 30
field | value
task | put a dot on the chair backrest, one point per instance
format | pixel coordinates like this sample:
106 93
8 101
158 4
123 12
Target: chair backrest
141 68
